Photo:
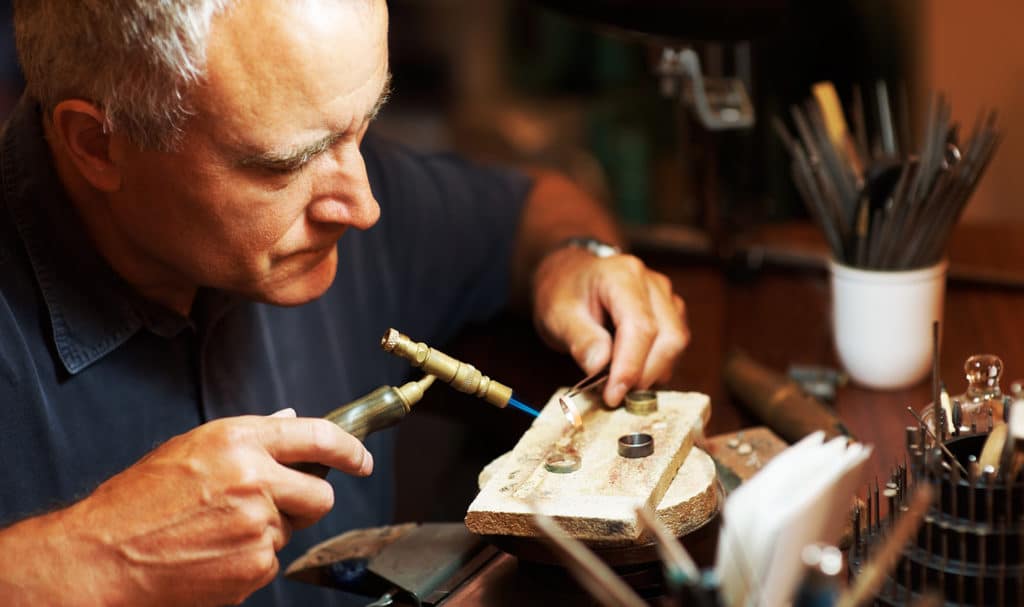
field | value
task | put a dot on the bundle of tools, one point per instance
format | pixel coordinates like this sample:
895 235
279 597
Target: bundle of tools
967 545
881 204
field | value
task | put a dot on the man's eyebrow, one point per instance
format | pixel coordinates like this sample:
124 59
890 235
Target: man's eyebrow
285 161
290 160
385 94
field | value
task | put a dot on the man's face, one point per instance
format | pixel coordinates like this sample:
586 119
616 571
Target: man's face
269 175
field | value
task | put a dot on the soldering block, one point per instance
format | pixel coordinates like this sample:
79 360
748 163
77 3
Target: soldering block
597 503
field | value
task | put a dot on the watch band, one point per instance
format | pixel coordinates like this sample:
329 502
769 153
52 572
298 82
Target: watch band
596 247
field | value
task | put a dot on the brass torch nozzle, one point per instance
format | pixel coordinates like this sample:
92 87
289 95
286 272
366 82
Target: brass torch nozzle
412 392
461 376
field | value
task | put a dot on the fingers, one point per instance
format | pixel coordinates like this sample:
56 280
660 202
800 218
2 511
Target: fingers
672 333
589 342
635 333
302 497
305 498
280 531
573 300
650 330
315 440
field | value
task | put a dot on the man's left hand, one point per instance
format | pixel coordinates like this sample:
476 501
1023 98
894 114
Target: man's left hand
576 293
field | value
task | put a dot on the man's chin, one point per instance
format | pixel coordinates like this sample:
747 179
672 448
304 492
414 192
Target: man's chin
304 286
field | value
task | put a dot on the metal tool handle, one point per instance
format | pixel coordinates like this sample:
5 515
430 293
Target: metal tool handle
382 408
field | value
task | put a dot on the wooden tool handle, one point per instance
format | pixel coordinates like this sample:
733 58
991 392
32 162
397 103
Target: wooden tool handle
778 401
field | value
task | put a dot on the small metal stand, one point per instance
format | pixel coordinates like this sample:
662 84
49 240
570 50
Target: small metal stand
970 547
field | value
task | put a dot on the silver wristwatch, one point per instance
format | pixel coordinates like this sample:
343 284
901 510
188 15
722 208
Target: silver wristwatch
596 247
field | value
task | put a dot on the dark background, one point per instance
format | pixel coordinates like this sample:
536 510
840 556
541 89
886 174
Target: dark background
515 81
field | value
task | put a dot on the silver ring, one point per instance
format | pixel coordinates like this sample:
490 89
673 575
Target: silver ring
636 444
562 462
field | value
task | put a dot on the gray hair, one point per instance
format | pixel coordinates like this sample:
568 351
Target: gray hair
137 59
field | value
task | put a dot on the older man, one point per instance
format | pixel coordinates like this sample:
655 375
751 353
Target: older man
176 184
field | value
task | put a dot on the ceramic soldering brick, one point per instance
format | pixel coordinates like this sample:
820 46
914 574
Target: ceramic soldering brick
598 502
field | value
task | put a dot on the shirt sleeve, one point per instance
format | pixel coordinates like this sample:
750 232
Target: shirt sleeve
449 227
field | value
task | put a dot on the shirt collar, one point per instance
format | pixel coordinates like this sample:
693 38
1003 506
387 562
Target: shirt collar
92 310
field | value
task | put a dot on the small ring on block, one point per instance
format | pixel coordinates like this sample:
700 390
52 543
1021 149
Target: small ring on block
570 411
562 462
642 402
636 444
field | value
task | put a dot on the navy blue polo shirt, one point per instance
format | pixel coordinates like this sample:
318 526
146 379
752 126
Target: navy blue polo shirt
92 376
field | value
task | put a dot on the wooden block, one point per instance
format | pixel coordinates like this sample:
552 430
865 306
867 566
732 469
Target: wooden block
691 498
690 501
597 502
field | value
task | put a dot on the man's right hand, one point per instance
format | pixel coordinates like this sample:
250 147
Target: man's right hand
198 521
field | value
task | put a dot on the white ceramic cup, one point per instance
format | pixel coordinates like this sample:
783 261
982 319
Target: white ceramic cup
882 322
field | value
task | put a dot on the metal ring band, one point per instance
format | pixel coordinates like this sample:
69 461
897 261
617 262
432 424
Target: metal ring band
569 410
636 444
562 462
642 402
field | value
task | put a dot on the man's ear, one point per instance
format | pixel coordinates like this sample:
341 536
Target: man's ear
79 127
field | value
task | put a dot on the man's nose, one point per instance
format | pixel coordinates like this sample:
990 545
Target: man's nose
344 194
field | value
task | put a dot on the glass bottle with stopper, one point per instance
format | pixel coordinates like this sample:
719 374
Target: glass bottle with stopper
976 410
982 405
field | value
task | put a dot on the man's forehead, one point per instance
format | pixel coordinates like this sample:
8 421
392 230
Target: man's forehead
297 153
277 66
272 43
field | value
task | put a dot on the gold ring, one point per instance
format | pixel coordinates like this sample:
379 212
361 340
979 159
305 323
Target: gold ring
642 402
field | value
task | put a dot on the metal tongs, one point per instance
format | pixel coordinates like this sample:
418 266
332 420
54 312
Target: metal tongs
569 408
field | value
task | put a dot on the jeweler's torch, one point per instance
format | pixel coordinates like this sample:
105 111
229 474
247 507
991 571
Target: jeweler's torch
459 375
387 405
462 376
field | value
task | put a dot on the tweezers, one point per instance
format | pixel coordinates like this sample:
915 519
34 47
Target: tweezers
590 382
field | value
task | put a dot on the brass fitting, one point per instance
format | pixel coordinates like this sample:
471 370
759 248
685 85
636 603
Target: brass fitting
412 392
461 376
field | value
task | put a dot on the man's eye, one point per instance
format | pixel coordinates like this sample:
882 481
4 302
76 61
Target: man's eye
284 170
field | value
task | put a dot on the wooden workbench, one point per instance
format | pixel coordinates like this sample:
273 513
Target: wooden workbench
779 316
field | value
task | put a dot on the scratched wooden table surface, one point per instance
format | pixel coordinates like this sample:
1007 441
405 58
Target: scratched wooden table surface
779 316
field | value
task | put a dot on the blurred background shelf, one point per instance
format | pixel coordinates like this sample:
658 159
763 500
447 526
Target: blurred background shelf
571 84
